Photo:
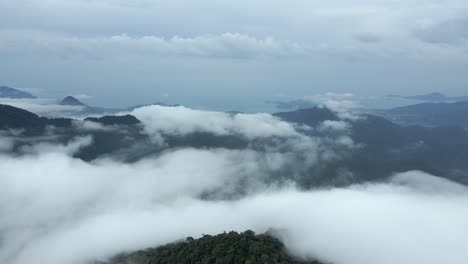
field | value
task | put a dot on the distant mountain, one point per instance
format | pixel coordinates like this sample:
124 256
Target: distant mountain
229 247
30 124
387 147
292 105
430 114
310 116
8 92
12 117
115 120
384 147
70 100
434 97
86 109
430 97
120 142
133 107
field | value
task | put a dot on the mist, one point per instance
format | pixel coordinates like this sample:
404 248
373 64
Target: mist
338 128
59 209
78 212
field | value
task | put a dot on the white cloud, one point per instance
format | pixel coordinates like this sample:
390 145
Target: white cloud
73 211
343 104
225 45
182 121
43 107
82 96
448 31
329 125
68 149
97 210
6 143
283 144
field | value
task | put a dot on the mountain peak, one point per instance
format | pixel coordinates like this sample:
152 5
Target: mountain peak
70 100
8 92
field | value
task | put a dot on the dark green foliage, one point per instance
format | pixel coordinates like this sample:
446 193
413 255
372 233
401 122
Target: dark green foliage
310 117
115 120
226 248
16 118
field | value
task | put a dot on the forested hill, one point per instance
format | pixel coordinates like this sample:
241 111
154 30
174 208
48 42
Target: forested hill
226 248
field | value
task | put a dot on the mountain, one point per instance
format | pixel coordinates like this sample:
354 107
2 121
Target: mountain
232 248
133 107
8 92
384 146
14 118
310 116
115 120
430 114
292 105
434 97
92 110
86 109
387 147
70 100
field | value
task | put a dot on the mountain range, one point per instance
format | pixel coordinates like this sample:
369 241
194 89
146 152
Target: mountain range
429 114
12 93
386 147
434 97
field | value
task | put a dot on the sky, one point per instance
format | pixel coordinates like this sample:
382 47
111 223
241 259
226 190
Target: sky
232 55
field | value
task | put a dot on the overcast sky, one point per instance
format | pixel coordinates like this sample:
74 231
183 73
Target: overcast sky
227 54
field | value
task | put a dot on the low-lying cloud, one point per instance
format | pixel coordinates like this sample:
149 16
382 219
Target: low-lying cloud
182 121
59 209
44 107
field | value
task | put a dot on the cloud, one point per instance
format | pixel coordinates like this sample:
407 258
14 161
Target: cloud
225 45
6 143
69 149
82 96
182 121
135 44
280 145
450 31
343 104
329 125
292 104
94 211
367 37
43 107
76 212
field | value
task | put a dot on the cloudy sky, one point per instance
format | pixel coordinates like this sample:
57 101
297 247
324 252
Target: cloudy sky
232 54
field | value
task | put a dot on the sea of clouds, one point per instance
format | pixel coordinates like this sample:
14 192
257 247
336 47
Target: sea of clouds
58 209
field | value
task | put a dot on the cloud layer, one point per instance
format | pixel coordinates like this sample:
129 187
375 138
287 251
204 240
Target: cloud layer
226 45
76 212
79 212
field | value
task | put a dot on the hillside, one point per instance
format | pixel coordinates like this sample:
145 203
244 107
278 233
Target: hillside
226 248
12 93
430 114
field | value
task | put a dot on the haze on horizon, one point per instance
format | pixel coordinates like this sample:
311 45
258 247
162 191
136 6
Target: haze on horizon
229 54
131 129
